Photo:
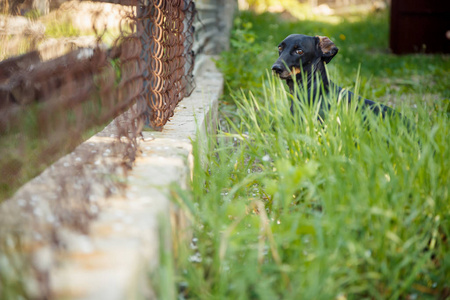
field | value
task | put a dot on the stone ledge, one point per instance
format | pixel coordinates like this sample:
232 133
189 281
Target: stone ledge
113 257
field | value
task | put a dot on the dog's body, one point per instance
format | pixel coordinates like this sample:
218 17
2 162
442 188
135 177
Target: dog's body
299 54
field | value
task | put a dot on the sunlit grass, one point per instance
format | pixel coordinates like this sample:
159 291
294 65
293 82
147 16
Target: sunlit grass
353 205
331 203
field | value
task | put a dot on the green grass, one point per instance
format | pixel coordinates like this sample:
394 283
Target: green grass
352 207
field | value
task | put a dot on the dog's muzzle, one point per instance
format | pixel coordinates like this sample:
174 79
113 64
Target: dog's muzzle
280 71
277 69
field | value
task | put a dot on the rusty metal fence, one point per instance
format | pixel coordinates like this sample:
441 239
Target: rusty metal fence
165 29
154 56
50 99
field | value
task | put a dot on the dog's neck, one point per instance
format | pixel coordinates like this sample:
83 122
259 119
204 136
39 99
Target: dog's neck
312 79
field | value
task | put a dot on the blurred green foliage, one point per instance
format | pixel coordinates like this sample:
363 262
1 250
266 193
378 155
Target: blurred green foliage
59 29
362 42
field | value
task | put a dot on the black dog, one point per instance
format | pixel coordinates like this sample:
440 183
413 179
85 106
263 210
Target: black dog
310 53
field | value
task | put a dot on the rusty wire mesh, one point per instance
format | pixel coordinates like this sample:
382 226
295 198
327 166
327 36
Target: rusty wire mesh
49 101
167 35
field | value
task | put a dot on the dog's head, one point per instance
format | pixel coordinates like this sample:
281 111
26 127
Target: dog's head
300 52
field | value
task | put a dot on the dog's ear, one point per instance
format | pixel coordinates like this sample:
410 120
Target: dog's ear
327 47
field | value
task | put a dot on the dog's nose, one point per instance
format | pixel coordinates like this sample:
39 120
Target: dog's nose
277 68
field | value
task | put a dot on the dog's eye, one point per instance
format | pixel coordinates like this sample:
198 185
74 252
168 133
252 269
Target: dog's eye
299 51
280 49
